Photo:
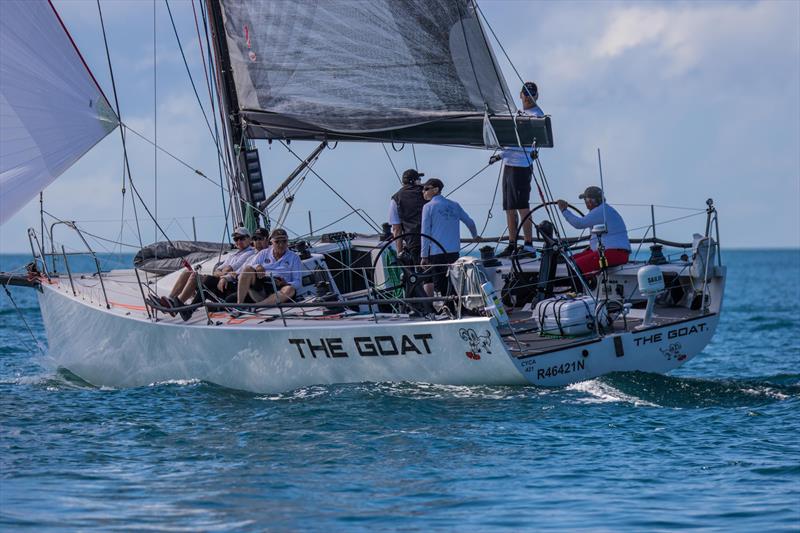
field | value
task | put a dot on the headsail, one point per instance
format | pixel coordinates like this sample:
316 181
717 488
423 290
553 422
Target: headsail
361 70
52 111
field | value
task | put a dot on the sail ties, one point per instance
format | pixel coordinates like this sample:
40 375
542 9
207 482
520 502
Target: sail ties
489 135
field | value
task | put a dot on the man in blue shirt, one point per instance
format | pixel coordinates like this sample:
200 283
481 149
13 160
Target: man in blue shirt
616 245
517 177
440 221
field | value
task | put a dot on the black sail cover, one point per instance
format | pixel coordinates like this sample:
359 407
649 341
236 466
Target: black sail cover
367 69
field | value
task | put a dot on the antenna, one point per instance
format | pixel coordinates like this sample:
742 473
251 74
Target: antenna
602 186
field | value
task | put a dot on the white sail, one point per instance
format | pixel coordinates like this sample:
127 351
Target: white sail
52 110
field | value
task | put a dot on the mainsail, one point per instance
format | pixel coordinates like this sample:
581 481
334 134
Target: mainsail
52 111
404 70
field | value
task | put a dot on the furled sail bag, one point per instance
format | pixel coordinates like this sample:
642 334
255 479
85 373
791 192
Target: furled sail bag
163 257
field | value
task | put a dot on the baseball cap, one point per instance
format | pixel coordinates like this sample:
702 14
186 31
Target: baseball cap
529 88
279 233
592 192
241 232
434 182
261 233
411 175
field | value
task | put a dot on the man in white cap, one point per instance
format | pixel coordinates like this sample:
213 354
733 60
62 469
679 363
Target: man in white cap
616 245
221 282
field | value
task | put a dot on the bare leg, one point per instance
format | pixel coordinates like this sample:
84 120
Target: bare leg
527 227
428 289
246 279
285 294
190 289
180 284
511 219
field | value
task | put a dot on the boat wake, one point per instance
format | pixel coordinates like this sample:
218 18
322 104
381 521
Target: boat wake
636 388
656 390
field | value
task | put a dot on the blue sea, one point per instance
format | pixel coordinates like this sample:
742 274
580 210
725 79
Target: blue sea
714 446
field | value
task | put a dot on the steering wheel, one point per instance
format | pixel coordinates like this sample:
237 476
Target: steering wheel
411 278
530 214
516 268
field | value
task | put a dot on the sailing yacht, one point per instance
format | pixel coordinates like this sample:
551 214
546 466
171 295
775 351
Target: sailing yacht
415 72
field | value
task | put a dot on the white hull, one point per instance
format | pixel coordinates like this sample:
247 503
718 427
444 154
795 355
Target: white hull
118 349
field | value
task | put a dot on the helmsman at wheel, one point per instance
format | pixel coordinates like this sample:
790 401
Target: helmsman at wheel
615 241
405 214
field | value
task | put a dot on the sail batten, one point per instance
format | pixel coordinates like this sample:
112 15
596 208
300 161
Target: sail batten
52 111
352 69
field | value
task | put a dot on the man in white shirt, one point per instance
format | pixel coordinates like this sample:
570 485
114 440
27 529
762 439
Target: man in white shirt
616 245
185 288
279 265
517 177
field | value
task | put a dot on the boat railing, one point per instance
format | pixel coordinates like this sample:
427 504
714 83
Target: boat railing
32 237
372 297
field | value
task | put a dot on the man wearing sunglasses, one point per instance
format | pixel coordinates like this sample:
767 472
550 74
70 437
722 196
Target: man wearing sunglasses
440 221
280 270
219 282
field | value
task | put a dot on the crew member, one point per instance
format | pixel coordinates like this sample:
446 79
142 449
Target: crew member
405 213
220 282
517 177
616 246
255 262
280 270
440 221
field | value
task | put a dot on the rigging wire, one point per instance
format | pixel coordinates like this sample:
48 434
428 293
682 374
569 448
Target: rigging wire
392 163
121 130
188 71
155 122
370 222
173 156
467 180
215 138
22 317
414 152
209 84
124 144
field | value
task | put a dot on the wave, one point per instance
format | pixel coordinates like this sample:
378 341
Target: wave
680 392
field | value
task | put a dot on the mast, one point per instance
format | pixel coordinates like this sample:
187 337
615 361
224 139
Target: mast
230 109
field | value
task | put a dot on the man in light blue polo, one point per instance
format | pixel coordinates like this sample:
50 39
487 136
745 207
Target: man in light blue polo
440 221
615 241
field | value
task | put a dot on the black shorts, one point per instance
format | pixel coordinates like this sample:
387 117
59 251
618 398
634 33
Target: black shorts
516 187
442 264
210 285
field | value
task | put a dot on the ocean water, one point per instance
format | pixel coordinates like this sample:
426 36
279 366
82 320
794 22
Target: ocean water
713 446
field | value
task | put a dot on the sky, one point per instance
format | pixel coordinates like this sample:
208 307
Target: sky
685 100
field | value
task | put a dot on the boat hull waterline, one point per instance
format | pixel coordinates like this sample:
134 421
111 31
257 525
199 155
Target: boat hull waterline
113 350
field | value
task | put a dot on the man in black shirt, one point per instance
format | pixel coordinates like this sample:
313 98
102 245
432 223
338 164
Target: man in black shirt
405 214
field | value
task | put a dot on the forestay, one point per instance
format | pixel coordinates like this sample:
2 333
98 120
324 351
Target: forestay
364 70
51 108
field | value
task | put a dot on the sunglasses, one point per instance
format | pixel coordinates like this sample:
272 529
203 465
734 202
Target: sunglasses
239 238
429 188
280 241
259 238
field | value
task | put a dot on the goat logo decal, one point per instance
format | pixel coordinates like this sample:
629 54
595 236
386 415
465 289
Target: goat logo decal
674 351
477 343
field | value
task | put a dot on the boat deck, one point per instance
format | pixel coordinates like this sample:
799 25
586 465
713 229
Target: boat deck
525 341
